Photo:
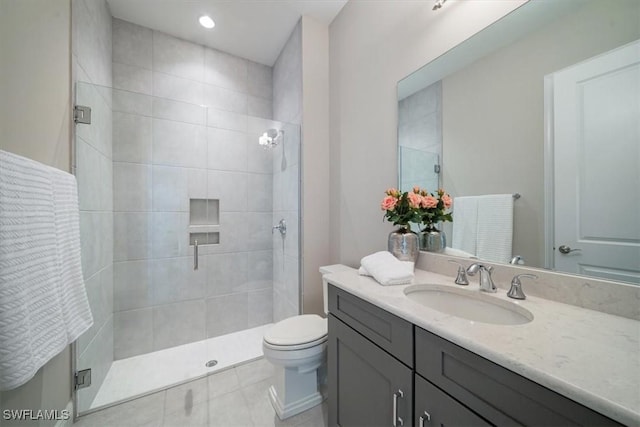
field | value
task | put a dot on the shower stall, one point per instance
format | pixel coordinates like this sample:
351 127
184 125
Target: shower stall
189 205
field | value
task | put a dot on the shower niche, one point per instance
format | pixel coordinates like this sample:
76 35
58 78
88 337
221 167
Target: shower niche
204 221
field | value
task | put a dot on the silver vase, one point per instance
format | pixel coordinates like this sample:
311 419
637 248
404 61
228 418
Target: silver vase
432 240
403 244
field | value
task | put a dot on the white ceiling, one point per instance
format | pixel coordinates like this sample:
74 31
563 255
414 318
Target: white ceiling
252 29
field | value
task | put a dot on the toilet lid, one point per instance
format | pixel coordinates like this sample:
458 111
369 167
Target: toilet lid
297 330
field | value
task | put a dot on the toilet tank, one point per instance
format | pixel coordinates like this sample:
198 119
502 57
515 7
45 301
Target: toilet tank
328 269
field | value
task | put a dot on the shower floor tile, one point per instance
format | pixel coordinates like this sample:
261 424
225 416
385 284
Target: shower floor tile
159 370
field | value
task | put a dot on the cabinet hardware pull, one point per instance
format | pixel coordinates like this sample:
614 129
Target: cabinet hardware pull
397 421
424 417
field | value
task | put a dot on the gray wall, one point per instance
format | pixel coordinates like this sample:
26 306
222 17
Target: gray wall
168 149
515 147
287 107
91 60
34 53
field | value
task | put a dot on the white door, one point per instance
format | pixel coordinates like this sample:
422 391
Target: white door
596 123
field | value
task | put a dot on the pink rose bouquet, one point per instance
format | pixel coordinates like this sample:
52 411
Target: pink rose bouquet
401 208
433 208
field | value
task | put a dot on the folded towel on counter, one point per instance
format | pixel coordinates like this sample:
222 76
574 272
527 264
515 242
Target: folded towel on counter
387 269
43 302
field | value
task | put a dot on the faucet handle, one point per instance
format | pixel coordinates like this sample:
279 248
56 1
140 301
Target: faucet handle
515 291
461 278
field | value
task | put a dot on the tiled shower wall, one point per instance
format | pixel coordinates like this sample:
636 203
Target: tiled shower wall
186 122
287 107
420 136
91 50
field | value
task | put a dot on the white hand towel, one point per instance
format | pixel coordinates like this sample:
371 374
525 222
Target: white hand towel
387 269
495 227
43 304
465 223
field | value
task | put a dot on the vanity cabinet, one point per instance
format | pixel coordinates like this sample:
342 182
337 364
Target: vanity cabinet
369 384
384 371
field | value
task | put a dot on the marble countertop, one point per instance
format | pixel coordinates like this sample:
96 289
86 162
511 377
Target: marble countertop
585 355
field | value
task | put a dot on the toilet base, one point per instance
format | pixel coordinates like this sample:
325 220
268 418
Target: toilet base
290 409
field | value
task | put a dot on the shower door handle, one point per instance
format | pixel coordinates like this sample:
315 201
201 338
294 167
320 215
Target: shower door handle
195 255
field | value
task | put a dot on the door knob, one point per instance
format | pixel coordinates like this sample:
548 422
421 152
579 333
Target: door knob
564 249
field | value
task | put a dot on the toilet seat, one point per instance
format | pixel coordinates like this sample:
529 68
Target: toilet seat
297 333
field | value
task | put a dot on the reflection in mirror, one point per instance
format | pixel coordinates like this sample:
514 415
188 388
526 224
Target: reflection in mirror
493 107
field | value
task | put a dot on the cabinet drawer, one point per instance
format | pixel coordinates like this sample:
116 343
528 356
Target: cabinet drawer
389 332
494 392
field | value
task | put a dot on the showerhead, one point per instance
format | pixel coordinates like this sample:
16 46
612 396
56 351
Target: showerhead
269 139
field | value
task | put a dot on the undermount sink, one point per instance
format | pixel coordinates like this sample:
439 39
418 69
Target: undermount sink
469 304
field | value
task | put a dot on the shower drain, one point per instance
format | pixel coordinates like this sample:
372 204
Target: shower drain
211 363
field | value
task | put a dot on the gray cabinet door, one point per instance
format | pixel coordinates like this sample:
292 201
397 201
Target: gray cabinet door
436 408
363 379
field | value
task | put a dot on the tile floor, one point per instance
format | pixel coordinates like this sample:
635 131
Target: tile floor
236 397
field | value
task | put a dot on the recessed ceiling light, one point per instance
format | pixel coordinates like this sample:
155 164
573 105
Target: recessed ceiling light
207 22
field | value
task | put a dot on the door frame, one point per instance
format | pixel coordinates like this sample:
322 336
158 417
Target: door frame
549 195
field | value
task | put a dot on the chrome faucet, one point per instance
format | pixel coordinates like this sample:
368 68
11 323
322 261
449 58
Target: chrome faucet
486 283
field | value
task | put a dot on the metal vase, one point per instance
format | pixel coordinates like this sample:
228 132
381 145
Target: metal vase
432 240
403 244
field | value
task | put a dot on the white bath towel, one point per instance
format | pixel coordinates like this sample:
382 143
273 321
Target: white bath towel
387 269
43 303
465 224
495 227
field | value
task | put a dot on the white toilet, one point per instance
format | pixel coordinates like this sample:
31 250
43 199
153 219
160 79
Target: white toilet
297 347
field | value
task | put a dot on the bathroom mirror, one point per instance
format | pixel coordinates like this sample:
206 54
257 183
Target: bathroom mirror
477 113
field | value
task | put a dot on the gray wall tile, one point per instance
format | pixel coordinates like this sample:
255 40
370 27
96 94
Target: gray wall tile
230 188
226 150
179 144
226 120
177 88
260 270
259 228
132 236
225 99
226 314
259 80
169 235
132 44
224 70
260 307
131 102
179 111
177 324
227 273
132 78
177 57
132 285
260 192
131 187
174 280
133 332
259 107
96 241
170 189
131 138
